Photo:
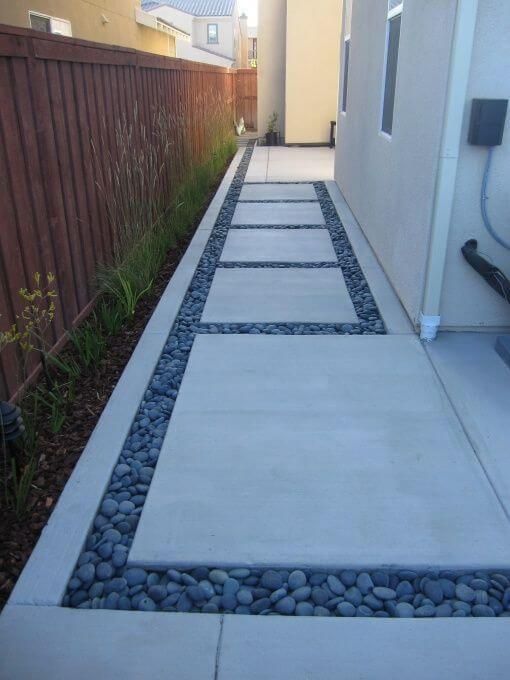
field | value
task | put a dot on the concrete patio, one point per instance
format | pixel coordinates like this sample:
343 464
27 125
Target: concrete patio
328 449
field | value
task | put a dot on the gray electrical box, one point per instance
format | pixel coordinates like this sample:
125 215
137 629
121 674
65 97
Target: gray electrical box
488 118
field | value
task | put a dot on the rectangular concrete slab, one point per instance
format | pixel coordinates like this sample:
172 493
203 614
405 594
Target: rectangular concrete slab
301 648
478 382
278 213
317 451
60 644
278 192
278 245
295 294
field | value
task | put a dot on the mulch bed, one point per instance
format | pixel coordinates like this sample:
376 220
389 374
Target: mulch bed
60 452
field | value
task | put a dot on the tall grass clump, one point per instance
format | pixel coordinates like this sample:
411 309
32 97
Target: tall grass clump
154 183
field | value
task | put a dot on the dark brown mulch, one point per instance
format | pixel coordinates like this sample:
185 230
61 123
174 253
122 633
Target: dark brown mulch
60 452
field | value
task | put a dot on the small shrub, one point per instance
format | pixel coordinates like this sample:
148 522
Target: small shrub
22 478
89 343
57 402
110 315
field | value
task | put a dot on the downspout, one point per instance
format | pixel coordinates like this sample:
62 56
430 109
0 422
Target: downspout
458 78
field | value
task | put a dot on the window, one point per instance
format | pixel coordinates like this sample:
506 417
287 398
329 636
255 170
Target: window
390 79
252 54
212 33
347 50
47 24
40 23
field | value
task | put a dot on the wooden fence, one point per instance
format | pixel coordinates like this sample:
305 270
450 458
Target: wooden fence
246 97
56 95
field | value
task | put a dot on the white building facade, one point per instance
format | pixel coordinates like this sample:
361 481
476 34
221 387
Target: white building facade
214 26
410 71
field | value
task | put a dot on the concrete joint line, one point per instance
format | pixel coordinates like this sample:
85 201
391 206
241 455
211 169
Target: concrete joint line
218 649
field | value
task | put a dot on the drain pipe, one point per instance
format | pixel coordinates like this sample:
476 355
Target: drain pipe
458 78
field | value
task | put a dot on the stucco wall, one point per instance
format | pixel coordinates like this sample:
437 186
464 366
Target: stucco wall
185 50
467 300
86 22
312 61
226 35
181 20
271 61
389 182
193 50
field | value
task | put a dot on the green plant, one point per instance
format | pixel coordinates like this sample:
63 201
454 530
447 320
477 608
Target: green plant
65 364
56 402
30 330
31 406
154 194
272 122
89 343
21 483
109 315
123 288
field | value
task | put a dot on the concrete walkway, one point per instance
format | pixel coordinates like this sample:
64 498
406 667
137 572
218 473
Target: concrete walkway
321 449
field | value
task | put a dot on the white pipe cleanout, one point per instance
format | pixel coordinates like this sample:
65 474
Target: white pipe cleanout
458 78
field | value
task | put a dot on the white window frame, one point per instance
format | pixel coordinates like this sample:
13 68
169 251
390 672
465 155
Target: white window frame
395 11
392 13
217 41
51 20
345 72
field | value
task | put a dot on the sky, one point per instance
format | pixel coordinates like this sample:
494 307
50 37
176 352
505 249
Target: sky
250 7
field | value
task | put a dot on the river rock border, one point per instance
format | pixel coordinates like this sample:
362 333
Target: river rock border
102 579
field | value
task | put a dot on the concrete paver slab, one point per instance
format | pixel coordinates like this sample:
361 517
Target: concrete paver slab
60 643
257 169
478 383
278 213
278 192
278 245
291 164
265 648
276 295
320 451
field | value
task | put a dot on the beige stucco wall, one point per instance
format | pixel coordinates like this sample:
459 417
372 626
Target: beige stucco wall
86 22
389 182
467 300
312 66
271 61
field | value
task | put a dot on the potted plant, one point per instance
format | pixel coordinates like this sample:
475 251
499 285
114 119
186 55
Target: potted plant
272 132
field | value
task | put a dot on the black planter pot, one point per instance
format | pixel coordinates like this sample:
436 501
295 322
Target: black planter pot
271 139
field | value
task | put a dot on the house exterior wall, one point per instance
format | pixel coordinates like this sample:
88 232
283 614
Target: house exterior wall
271 61
228 47
467 300
181 20
86 22
228 35
186 50
312 65
389 182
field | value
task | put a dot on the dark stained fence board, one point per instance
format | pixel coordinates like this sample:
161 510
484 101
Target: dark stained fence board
246 97
58 94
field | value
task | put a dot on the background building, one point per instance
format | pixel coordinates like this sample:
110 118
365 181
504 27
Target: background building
298 65
403 162
114 22
252 46
217 34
